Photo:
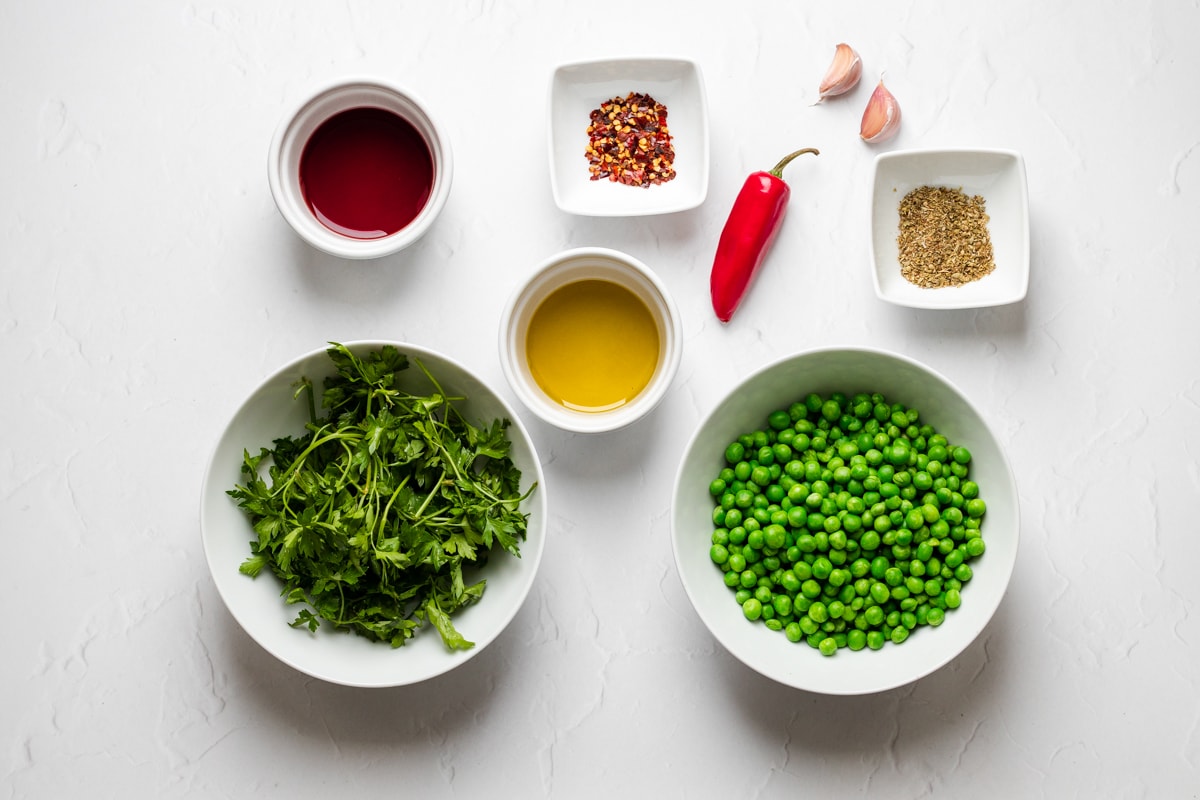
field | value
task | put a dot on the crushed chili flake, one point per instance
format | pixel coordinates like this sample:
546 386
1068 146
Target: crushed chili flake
629 142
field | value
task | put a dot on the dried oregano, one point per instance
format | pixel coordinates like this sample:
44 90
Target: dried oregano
944 237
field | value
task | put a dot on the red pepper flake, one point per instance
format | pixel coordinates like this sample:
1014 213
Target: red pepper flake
629 142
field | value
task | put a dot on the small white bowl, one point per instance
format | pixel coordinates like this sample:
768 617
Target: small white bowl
589 263
294 131
745 409
272 411
999 177
578 88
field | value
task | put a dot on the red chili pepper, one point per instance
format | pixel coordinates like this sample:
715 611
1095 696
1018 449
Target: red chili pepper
748 234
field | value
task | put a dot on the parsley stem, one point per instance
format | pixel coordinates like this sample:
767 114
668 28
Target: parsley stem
388 508
432 492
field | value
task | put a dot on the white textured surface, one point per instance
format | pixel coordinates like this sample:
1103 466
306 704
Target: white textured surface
149 284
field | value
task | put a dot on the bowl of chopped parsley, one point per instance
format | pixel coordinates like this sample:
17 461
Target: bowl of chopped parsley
373 514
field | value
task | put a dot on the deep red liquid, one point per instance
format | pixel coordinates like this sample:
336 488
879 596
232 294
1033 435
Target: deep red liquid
366 173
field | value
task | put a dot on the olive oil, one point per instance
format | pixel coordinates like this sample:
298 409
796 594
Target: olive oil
592 345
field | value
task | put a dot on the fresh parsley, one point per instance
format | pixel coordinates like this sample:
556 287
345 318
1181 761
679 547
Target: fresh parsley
370 517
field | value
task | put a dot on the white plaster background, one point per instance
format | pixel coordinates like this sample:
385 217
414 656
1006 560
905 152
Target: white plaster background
147 283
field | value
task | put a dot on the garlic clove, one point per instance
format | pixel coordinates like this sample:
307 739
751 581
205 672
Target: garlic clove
881 119
843 73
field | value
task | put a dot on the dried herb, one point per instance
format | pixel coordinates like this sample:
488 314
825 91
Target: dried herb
370 518
944 238
629 142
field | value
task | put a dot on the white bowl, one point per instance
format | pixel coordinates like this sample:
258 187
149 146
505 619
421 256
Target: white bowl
271 412
745 409
586 263
294 131
578 88
999 177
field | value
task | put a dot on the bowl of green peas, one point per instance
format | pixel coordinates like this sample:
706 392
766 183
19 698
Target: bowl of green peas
844 521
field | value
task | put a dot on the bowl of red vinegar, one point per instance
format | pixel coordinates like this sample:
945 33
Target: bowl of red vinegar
359 168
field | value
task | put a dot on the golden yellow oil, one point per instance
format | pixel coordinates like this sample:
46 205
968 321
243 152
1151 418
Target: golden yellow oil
592 345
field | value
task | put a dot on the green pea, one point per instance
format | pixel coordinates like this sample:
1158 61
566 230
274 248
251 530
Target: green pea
774 536
975 547
752 609
961 455
821 568
827 646
797 516
880 592
975 507
719 554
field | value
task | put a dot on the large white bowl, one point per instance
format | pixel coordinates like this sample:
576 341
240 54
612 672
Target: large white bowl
576 89
271 412
744 410
996 175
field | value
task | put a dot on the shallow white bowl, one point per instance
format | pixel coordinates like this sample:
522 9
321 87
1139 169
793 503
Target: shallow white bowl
745 409
998 176
578 88
271 412
299 124
589 263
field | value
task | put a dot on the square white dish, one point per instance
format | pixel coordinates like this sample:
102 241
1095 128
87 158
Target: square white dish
996 175
578 88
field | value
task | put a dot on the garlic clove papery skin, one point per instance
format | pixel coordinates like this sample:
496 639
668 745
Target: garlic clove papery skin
843 73
881 119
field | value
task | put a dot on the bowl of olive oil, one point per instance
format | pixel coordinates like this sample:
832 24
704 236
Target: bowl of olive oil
591 341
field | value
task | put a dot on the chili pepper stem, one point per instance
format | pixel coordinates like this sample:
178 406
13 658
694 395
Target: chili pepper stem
778 169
